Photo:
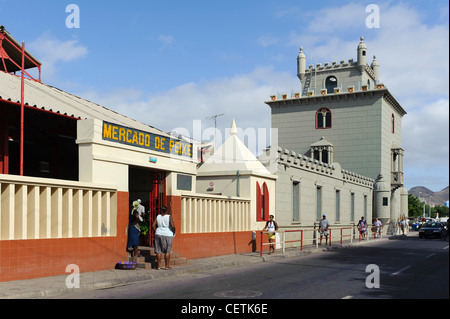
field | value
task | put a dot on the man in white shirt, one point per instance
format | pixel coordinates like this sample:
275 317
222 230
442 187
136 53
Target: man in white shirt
323 229
377 224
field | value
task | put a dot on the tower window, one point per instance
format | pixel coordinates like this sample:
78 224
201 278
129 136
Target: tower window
331 83
393 124
323 118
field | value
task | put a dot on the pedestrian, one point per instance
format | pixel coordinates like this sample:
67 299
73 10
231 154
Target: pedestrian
164 228
403 225
377 224
141 209
362 226
271 227
323 229
134 231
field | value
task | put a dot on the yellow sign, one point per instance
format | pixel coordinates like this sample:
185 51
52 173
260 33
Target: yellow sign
125 135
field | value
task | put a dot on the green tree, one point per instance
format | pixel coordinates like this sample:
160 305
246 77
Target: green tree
441 210
415 206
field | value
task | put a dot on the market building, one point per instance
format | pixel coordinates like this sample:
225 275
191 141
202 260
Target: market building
70 169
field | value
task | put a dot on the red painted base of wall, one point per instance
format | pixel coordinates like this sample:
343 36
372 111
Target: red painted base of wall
202 245
193 246
34 258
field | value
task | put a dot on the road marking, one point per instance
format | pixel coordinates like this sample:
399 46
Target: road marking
401 270
430 255
446 247
348 297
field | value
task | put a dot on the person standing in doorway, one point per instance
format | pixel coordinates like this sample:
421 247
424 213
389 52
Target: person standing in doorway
141 209
134 231
164 228
271 227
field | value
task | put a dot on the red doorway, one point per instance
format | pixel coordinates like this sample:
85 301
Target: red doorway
158 198
150 187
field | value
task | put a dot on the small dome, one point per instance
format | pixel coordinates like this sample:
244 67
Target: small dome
362 45
375 62
301 54
380 184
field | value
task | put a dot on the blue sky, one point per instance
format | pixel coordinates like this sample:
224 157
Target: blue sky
167 63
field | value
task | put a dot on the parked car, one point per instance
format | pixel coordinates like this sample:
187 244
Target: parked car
431 229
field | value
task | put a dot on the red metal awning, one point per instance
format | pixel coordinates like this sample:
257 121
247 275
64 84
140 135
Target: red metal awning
11 54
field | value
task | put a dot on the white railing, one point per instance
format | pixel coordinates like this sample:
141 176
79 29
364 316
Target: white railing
39 208
209 213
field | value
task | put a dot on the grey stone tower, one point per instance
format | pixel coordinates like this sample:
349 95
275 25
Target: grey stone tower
347 105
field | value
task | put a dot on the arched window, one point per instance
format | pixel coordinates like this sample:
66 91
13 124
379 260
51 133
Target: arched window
393 124
262 202
323 118
331 83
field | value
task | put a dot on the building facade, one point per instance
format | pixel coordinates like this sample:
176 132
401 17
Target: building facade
344 114
70 170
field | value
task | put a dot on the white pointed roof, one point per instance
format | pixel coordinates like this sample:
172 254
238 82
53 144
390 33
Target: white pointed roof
232 156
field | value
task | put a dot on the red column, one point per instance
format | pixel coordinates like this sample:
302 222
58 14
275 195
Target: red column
4 140
22 108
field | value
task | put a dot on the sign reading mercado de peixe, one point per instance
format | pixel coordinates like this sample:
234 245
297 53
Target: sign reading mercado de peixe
129 136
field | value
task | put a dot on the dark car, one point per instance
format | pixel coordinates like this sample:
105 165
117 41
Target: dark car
431 229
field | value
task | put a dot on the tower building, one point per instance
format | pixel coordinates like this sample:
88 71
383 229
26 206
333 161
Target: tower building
346 115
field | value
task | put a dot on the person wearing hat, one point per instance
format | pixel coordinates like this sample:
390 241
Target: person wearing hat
323 229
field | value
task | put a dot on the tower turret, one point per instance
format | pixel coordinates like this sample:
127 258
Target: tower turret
301 65
362 55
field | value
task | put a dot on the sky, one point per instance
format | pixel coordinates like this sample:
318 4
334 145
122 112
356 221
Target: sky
175 64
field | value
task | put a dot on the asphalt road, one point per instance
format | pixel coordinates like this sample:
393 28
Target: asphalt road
410 268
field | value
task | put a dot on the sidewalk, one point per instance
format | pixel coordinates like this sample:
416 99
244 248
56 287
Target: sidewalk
41 288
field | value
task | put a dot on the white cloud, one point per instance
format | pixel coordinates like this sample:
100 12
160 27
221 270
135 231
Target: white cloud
167 40
426 135
241 97
414 65
413 57
51 51
267 40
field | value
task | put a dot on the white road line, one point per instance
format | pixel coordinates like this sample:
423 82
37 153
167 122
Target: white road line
430 255
446 247
348 297
401 270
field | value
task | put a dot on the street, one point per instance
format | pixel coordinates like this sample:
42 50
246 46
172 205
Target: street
401 268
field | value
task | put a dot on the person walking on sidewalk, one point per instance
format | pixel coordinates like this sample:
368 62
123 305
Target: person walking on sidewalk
377 224
271 227
164 228
362 226
323 229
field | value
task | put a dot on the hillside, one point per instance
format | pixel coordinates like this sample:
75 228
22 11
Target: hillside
430 197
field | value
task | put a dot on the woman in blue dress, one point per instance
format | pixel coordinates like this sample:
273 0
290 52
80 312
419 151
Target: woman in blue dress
133 232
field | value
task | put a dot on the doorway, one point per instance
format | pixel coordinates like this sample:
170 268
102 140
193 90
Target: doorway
150 187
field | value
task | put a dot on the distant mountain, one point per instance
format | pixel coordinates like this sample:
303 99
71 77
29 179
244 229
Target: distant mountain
430 197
